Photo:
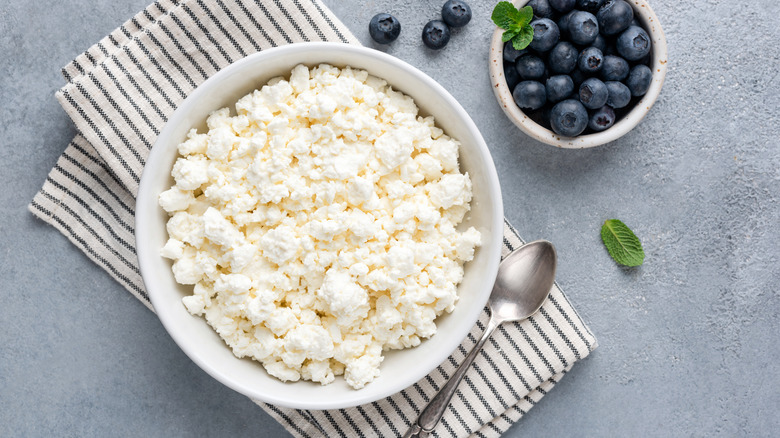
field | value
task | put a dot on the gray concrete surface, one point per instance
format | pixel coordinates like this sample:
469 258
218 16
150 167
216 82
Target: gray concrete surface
688 341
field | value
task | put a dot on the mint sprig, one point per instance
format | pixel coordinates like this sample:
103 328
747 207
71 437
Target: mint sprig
622 243
515 22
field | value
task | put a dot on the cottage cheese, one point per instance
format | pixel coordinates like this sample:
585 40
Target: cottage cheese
318 224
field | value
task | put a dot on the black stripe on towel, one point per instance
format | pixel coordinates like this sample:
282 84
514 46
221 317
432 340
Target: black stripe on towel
99 181
257 26
270 18
205 32
95 196
238 26
289 421
102 137
330 22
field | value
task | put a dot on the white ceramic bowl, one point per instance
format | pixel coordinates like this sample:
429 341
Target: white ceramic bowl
400 369
649 21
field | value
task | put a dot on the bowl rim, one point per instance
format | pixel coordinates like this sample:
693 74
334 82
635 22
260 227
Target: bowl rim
146 211
649 20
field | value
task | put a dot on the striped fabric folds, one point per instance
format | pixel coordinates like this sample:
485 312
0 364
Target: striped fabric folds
119 94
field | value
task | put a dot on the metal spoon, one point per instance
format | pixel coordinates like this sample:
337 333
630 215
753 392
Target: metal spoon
524 280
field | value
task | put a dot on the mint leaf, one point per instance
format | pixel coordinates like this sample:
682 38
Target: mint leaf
503 15
508 35
525 15
622 243
523 39
515 22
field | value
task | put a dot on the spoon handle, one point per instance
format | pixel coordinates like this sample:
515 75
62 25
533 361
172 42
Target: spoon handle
432 413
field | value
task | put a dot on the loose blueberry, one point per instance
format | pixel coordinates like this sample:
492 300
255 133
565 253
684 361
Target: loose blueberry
456 13
614 68
593 93
562 6
614 17
511 75
633 44
559 87
583 28
436 34
563 24
589 5
546 34
562 58
511 54
541 8
568 118
530 67
602 118
639 79
600 43
530 95
384 28
619 94
590 60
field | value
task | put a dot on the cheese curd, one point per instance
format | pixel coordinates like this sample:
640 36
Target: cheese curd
318 224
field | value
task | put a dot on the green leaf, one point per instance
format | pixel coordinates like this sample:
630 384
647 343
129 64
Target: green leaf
523 39
525 15
504 15
515 22
508 35
622 243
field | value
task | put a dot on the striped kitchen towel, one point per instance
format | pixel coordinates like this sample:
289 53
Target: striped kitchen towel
119 94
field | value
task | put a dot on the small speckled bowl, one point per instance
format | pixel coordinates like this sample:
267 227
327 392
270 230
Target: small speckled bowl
649 21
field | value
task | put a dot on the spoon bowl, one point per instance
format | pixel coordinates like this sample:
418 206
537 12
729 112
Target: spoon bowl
524 280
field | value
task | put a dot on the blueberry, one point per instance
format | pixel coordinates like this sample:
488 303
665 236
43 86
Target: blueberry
614 17
633 44
619 94
436 34
614 68
602 118
568 118
562 58
384 28
530 95
593 93
583 28
639 79
541 8
590 60
589 5
546 34
511 75
559 87
511 54
562 6
530 67
456 13
563 24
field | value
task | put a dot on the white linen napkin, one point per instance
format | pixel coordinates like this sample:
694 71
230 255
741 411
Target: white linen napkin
119 94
